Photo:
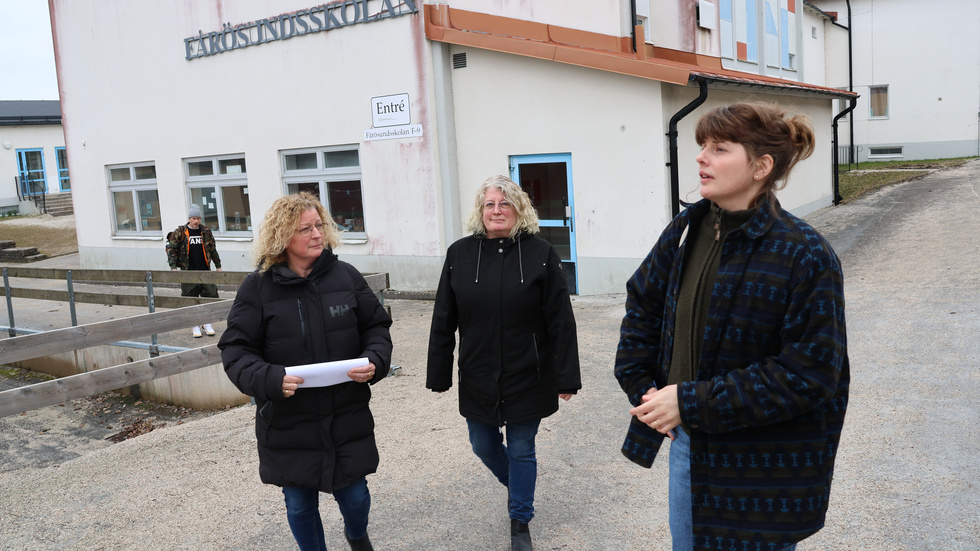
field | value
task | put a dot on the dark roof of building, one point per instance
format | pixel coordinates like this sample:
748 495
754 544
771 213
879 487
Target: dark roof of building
19 113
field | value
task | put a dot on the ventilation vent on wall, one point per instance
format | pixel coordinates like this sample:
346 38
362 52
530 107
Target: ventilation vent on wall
459 60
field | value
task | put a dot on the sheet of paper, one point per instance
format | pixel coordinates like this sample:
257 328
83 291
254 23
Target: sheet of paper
327 373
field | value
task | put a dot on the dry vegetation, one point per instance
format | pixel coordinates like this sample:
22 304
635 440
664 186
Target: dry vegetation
53 236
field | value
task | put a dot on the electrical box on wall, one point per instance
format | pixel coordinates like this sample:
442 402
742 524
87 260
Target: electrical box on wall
707 15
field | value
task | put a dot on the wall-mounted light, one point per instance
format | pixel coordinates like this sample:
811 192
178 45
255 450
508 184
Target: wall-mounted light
7 145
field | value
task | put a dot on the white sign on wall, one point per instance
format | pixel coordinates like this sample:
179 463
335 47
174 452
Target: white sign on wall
394 110
407 131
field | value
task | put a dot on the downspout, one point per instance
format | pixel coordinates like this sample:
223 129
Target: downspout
633 23
850 79
836 159
675 194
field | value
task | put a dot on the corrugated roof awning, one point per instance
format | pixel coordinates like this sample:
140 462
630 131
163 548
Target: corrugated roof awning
596 51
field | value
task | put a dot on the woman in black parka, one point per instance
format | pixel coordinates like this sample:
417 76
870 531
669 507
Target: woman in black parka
504 289
303 306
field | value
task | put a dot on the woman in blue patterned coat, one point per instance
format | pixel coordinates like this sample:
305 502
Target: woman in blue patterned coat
737 317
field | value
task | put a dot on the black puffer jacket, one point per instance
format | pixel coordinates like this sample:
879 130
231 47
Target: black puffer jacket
322 437
518 348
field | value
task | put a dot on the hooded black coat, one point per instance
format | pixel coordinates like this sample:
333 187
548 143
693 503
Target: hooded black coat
518 347
322 437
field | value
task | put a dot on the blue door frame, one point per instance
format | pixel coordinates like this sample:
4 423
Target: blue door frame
548 180
31 174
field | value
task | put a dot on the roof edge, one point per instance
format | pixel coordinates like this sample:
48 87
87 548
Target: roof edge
593 50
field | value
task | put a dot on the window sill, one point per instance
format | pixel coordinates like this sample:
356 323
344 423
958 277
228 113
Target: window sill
355 239
244 239
139 237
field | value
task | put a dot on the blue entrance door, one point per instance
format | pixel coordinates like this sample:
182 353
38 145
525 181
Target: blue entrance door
30 168
547 179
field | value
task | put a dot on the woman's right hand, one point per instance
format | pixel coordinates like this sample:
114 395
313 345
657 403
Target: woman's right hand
289 385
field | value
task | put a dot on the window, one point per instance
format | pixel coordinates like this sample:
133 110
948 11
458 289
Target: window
220 186
62 155
885 151
30 170
334 175
135 202
879 102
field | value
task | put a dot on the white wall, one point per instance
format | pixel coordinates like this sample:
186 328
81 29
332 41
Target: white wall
45 137
927 55
611 125
142 101
597 16
810 185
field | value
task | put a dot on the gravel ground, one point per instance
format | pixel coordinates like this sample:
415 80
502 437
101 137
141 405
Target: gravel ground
906 477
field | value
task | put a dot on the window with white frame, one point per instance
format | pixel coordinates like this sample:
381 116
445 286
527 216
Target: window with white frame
333 174
135 202
220 186
891 151
879 102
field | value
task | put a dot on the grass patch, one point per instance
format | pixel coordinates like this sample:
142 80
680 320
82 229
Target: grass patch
50 241
854 185
906 165
876 174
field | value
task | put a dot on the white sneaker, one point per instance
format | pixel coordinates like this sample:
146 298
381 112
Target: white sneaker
208 330
196 331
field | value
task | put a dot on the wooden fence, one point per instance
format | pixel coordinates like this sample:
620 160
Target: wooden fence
58 341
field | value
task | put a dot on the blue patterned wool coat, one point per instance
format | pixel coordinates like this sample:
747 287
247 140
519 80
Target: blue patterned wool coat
767 406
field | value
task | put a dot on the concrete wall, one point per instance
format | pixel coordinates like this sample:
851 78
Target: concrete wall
205 388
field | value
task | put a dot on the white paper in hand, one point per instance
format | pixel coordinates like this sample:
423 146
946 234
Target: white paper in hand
327 373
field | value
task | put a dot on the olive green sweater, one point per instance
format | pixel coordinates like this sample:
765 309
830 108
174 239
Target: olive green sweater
697 279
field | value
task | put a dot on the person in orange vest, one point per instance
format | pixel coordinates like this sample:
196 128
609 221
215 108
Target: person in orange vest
192 247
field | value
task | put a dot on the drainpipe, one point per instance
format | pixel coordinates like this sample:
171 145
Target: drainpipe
633 23
850 79
675 194
836 169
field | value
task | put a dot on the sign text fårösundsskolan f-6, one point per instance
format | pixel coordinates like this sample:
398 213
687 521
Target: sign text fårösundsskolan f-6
281 27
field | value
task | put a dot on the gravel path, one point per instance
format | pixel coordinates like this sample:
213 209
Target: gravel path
906 476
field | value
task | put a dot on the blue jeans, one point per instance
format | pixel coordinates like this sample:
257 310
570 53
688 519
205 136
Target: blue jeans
303 513
679 494
514 465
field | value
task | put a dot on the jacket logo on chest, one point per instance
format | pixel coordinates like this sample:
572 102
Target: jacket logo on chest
336 311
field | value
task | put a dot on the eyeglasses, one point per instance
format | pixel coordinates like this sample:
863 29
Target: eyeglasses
305 232
490 205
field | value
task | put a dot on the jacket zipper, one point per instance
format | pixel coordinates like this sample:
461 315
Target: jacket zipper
302 321
537 357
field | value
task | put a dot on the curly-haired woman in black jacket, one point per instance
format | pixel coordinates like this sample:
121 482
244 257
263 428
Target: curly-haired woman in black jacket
303 306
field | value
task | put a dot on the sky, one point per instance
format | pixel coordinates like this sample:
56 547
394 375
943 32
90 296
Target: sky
26 55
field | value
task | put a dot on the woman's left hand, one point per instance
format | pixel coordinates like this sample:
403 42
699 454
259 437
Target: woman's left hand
566 397
659 409
362 374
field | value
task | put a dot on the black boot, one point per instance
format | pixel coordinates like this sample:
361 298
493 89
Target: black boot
363 544
520 536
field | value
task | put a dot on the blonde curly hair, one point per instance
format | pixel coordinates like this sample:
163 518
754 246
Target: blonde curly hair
280 224
527 216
